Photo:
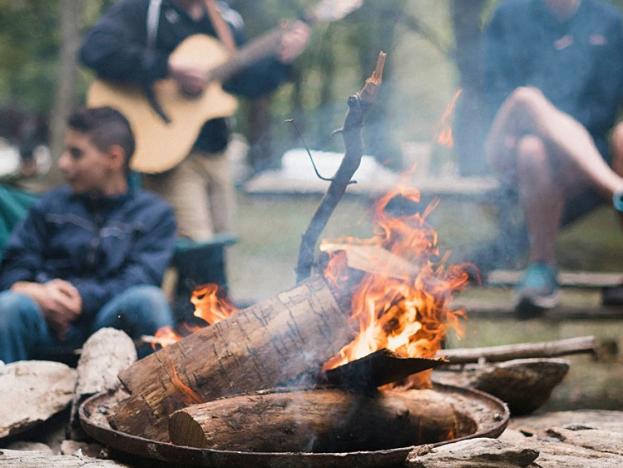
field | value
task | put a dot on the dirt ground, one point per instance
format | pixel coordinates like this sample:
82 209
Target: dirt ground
262 264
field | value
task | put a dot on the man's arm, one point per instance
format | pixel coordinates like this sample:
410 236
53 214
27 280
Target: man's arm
146 265
115 48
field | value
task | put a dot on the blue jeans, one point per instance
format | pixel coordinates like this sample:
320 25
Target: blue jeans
24 333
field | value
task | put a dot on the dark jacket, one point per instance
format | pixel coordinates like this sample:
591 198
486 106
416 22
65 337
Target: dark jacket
102 246
577 64
116 49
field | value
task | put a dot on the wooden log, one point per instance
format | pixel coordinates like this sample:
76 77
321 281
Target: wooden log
267 345
16 458
472 453
546 349
327 420
524 384
106 353
36 391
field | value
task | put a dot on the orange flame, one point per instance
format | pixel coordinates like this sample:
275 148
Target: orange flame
407 316
445 136
210 306
191 397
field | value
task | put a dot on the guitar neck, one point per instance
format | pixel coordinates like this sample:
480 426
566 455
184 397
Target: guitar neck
264 46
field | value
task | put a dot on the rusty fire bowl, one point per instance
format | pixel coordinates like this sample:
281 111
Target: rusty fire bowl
488 414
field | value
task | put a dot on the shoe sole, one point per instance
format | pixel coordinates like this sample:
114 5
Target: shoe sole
532 307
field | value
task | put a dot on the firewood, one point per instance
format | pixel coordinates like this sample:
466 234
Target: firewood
106 353
524 384
473 453
358 105
21 459
266 345
31 392
323 420
547 349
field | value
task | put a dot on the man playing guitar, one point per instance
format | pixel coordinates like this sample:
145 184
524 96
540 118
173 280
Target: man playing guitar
133 44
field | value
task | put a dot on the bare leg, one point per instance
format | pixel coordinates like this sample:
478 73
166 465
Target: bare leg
542 197
527 111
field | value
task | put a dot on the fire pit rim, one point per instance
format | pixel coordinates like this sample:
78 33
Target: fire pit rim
167 451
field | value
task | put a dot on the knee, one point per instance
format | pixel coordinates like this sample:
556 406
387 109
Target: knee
532 154
17 310
150 305
526 97
617 139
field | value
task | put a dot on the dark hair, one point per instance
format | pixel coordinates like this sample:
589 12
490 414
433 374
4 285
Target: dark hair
106 127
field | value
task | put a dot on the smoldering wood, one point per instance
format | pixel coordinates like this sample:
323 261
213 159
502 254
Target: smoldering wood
377 369
524 384
37 390
473 453
263 346
546 349
106 353
358 106
327 420
25 459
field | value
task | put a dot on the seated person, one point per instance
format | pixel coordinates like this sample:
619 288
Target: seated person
90 254
554 74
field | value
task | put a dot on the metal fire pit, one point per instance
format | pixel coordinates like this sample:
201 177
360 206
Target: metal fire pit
488 413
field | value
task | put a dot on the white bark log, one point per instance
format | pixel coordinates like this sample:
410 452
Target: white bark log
31 392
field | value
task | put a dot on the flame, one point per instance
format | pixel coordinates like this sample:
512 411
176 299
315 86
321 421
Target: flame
210 306
409 316
191 397
445 136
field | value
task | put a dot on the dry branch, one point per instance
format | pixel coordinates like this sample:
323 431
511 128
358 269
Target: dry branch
358 105
31 392
547 349
314 421
266 345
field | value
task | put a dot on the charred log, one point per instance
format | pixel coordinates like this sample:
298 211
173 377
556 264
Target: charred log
267 345
328 420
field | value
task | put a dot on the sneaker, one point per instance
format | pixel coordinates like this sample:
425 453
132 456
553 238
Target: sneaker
537 291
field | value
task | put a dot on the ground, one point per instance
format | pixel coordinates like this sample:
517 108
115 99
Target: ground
262 264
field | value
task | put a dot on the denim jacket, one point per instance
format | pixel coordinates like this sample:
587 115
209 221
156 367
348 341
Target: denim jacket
101 245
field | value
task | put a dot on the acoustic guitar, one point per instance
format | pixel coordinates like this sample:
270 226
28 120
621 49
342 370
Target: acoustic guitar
162 143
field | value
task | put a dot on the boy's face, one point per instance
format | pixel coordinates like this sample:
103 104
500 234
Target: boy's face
84 166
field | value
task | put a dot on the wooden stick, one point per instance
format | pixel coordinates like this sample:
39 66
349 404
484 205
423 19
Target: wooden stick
326 420
579 345
358 106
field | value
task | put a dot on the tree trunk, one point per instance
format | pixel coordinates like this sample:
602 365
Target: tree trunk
65 96
469 126
327 420
269 344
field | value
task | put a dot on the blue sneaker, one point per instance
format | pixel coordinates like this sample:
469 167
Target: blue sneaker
537 291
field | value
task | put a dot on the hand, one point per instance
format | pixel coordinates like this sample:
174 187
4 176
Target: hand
59 300
191 81
294 39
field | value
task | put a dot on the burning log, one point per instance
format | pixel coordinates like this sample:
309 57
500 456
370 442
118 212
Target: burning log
546 349
327 420
263 346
